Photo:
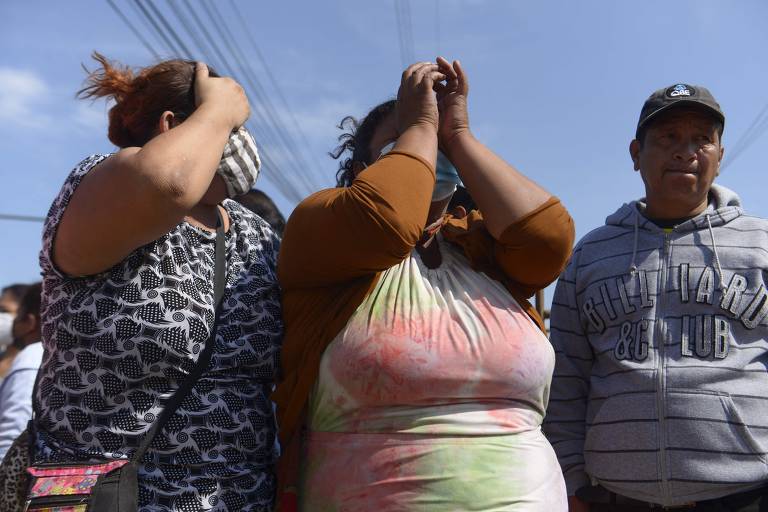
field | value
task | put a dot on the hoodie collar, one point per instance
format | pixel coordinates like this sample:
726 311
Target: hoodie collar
724 206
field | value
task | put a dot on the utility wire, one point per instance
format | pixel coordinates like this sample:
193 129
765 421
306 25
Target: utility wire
26 218
268 71
276 119
437 27
278 139
184 50
409 30
133 29
202 47
148 27
156 28
404 31
288 189
153 24
755 130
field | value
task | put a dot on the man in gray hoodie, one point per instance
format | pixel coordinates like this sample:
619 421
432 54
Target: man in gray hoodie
660 392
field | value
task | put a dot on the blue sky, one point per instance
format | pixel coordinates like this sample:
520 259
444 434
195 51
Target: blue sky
556 86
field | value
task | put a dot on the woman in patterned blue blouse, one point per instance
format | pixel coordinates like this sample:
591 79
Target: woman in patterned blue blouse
128 263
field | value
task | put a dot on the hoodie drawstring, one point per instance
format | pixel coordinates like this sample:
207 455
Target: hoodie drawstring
717 258
633 264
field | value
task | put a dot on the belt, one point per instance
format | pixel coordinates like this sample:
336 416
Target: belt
598 494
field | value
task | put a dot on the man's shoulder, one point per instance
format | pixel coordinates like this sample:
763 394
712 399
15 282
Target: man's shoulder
605 234
747 220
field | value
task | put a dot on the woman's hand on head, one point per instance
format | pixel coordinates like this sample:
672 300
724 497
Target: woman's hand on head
222 95
416 101
452 102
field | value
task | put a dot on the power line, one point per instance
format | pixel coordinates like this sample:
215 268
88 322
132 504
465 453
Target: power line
409 29
404 31
269 132
24 218
437 27
185 23
184 50
755 130
157 30
272 126
288 189
133 29
274 116
268 71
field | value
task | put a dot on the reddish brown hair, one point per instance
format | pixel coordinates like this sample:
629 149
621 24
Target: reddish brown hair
141 96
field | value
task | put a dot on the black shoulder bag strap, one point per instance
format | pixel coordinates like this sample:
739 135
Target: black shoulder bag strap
219 283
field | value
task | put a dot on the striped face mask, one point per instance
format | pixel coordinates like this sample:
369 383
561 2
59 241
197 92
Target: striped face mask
240 163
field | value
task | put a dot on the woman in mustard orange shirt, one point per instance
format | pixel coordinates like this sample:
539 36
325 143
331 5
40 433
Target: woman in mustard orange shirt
416 374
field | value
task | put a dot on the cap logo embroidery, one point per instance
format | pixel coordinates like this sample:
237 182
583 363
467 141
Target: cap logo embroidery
679 90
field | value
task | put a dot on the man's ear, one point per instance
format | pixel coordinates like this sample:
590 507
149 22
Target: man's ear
634 152
166 122
720 160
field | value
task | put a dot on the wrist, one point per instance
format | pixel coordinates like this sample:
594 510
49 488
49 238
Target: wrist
454 145
215 116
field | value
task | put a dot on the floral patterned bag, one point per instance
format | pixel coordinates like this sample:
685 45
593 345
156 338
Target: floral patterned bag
70 487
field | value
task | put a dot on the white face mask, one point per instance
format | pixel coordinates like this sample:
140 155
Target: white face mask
6 329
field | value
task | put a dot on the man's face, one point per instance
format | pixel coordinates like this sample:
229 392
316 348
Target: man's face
678 162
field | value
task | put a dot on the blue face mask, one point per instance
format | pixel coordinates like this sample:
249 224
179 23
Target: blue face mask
446 175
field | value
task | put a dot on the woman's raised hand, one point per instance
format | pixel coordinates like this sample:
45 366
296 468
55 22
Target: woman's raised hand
416 101
452 102
223 95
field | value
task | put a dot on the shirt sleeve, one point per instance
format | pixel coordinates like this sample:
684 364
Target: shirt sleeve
565 421
344 233
57 209
15 406
534 250
530 253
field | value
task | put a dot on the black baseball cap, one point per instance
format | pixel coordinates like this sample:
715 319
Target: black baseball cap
678 95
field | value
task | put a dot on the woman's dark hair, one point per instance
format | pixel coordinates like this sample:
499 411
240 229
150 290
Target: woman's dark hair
263 206
141 97
357 140
16 291
30 302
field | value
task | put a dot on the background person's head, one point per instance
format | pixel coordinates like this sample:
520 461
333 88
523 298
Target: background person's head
263 206
678 150
26 325
10 299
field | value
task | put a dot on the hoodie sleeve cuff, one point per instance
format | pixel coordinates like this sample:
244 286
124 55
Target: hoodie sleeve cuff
575 480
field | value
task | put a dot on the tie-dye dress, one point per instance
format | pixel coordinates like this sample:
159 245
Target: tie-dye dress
431 398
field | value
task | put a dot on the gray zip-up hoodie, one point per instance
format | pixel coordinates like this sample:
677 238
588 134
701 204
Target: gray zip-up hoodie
660 391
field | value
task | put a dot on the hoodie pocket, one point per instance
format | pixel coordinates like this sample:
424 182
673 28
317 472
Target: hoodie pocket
709 422
709 443
622 444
